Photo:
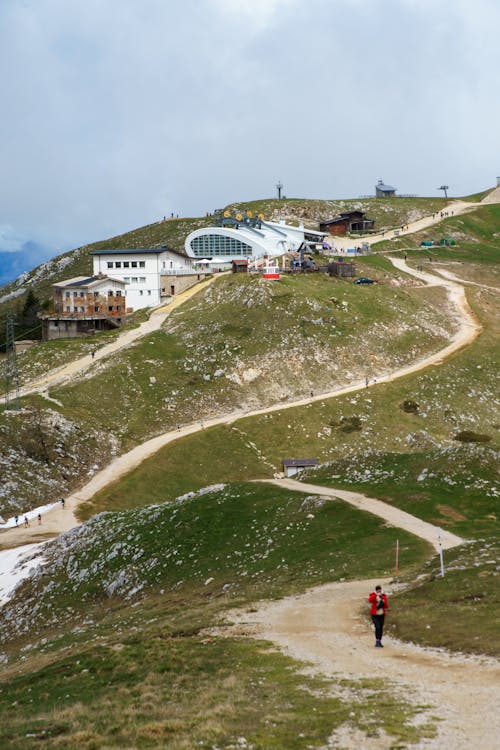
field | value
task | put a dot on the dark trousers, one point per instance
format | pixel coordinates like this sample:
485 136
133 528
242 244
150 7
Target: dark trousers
378 621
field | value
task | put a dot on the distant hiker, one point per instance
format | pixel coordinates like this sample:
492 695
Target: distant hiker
26 522
405 256
63 503
312 394
16 519
39 519
379 606
92 354
366 381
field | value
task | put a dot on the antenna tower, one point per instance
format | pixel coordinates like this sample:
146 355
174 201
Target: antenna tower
279 188
11 373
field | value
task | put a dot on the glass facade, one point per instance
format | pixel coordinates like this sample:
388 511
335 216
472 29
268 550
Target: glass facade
217 245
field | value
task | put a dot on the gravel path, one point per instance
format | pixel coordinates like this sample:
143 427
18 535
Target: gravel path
396 517
61 520
327 628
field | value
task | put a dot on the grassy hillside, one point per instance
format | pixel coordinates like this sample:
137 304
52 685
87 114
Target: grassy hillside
388 213
417 414
179 684
240 343
118 642
476 235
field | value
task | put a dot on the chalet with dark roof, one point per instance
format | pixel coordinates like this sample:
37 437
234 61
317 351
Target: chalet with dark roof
348 221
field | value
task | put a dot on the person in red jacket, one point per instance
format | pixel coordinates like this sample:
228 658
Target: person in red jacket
379 606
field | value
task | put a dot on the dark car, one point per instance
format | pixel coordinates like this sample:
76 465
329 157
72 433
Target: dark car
364 280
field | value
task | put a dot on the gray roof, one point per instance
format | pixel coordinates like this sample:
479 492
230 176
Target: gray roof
300 462
131 251
385 188
86 281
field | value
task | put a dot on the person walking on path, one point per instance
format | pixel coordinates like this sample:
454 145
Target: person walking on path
379 606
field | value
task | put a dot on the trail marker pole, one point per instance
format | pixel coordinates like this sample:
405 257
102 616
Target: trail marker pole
441 555
397 558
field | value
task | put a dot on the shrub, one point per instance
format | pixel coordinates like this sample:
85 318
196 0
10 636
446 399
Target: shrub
467 436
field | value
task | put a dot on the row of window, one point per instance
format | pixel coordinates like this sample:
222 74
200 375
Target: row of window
116 293
126 264
97 309
217 244
135 279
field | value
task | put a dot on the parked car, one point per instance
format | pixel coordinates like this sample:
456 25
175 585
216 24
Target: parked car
364 280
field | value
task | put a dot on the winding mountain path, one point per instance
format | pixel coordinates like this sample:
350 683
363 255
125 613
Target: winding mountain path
396 517
71 370
325 626
59 519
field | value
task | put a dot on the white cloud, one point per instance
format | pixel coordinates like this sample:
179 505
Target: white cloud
117 113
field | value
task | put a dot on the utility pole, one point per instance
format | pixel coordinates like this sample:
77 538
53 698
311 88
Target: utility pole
11 372
279 188
445 188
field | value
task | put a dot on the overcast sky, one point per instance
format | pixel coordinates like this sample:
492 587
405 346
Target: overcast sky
118 112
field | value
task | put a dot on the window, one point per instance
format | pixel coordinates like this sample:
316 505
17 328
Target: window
118 264
96 294
119 308
126 264
118 293
164 264
55 323
126 278
109 264
67 295
110 293
75 294
110 308
82 309
68 309
142 264
142 279
141 292
96 308
134 279
133 264
149 292
219 245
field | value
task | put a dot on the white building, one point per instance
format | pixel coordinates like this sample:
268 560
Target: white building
247 238
147 272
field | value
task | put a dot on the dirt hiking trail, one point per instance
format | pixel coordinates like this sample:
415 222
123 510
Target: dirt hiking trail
327 627
58 519
396 517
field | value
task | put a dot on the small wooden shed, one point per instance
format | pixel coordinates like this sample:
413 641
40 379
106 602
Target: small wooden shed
239 266
292 466
342 268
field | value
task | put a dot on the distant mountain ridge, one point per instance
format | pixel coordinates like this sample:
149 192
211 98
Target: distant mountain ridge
13 264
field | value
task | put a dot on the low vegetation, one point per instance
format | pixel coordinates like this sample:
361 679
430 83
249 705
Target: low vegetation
91 656
459 611
120 641
239 344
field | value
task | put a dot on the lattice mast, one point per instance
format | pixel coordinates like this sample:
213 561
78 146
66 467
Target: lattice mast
11 372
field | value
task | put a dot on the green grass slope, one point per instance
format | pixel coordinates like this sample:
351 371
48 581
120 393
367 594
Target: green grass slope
91 656
240 343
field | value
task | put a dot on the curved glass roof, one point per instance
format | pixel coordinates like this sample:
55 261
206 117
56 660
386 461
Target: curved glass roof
218 245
